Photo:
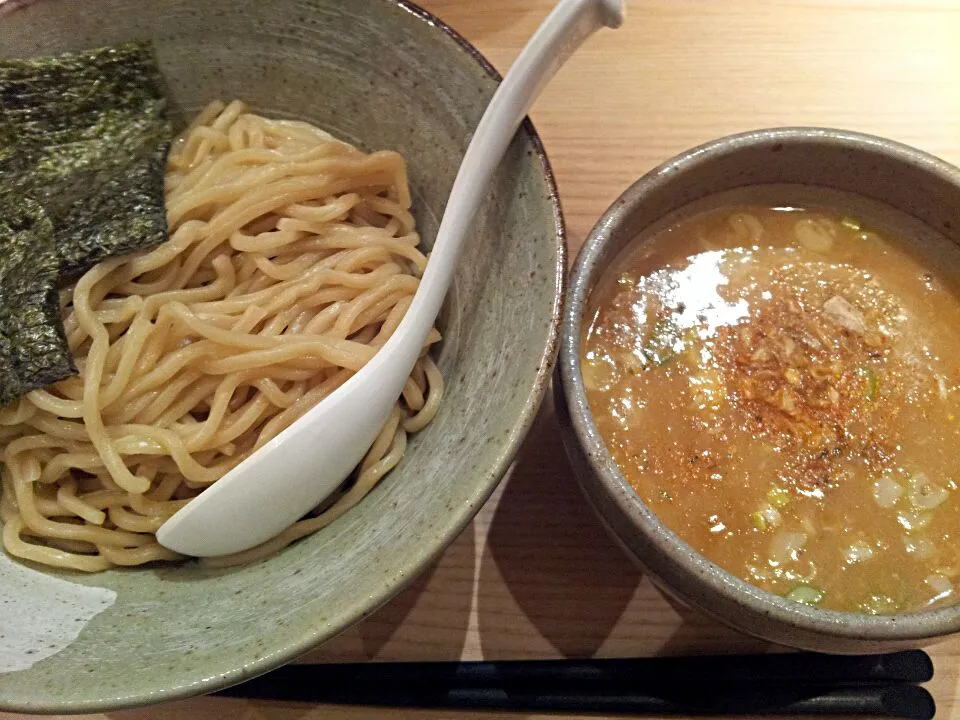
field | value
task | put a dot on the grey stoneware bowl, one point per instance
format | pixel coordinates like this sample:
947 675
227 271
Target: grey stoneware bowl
909 187
381 74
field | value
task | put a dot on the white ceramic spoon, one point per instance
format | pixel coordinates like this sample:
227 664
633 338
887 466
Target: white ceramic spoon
302 465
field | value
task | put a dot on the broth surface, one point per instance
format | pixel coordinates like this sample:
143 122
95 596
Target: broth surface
779 384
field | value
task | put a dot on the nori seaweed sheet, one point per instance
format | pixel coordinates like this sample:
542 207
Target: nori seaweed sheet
86 136
32 340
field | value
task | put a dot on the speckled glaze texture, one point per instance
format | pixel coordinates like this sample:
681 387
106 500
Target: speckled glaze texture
906 180
381 74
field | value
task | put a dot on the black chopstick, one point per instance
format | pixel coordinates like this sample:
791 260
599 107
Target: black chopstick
902 701
782 684
909 666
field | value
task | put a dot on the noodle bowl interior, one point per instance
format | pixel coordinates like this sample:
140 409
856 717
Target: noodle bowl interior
291 259
779 384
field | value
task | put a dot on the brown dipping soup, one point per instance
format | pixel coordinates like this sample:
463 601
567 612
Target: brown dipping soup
779 384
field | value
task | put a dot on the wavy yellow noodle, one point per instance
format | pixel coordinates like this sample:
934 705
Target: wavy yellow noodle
292 257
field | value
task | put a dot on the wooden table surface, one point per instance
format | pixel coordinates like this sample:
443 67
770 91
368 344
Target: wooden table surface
535 576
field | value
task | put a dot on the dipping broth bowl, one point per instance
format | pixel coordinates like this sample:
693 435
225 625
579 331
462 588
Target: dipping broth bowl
841 169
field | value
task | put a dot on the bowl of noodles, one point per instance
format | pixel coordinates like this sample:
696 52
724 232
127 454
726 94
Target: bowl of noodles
213 214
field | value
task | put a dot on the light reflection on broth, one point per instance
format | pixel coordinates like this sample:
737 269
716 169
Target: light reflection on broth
779 384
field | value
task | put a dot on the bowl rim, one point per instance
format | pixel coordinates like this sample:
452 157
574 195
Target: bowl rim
457 520
901 627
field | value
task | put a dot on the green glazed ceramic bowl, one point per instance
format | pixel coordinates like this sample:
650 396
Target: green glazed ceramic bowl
381 74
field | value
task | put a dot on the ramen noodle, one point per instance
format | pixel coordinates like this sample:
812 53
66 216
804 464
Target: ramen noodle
291 259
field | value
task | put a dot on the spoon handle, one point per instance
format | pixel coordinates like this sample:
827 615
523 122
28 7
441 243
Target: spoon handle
569 24
296 470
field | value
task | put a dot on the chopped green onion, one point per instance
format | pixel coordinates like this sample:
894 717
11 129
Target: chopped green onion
925 494
850 223
778 496
941 586
786 547
765 517
663 358
858 552
871 380
914 519
887 491
664 344
805 594
600 373
759 522
919 547
815 235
